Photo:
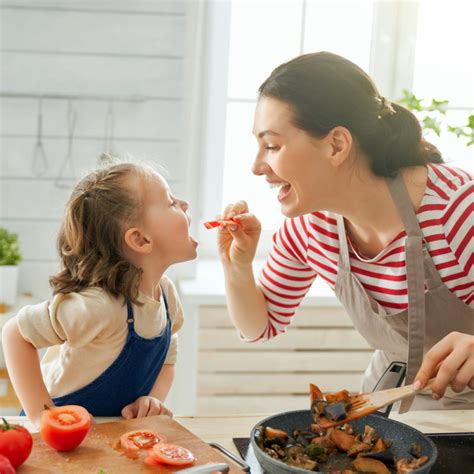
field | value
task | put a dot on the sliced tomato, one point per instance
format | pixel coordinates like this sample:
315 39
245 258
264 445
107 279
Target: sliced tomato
171 454
135 440
64 428
218 223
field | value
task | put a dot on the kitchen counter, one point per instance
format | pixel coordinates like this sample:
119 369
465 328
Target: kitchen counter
222 429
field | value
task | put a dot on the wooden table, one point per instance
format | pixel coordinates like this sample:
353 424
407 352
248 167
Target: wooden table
222 429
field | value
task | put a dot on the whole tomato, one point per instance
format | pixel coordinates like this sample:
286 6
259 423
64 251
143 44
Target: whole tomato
6 466
15 443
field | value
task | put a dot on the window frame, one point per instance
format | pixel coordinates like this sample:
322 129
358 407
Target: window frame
391 65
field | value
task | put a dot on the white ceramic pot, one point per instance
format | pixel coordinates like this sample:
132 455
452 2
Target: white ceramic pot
8 284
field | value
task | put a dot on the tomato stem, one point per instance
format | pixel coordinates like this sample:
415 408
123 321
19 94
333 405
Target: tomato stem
6 426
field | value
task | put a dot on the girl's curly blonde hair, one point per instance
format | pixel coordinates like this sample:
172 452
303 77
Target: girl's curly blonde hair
90 241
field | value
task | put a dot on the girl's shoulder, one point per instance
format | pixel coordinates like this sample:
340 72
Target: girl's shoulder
88 301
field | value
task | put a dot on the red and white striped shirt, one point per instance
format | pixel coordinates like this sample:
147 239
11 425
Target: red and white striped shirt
308 246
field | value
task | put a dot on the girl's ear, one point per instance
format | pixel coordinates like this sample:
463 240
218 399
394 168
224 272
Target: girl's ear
341 145
136 241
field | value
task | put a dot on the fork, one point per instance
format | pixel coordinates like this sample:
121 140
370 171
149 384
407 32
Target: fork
363 404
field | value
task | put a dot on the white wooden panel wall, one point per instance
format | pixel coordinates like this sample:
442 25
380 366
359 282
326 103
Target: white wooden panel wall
130 49
321 346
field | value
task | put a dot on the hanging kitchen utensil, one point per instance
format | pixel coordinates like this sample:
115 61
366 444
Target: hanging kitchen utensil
39 164
109 130
66 175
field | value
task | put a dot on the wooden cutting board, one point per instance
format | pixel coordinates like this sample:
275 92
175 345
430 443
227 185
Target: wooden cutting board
98 451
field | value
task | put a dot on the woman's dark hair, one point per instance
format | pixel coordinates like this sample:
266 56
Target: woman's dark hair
90 241
325 90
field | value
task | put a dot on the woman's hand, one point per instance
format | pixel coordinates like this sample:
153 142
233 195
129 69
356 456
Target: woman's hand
238 242
145 406
451 362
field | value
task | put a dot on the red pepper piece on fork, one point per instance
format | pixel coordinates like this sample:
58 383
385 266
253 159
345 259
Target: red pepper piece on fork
218 223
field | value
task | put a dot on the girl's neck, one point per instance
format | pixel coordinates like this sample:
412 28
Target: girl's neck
150 283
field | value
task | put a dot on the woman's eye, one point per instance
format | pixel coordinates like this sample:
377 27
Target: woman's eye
271 148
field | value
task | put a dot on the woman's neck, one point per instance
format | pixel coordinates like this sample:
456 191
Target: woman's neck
371 216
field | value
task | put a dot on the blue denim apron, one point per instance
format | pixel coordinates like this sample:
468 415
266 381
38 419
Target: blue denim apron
130 376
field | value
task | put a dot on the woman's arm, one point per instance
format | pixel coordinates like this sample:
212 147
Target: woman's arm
245 301
23 366
237 247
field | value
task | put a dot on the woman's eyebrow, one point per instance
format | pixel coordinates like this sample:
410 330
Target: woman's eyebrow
267 132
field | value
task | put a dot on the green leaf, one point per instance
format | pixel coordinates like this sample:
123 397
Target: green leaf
470 122
431 123
9 248
440 106
410 101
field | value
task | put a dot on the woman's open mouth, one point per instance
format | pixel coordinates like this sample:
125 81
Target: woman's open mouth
284 189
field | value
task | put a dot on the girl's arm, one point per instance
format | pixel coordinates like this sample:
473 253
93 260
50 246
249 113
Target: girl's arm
23 365
152 404
163 382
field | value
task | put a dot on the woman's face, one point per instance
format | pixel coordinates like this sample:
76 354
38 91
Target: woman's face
291 159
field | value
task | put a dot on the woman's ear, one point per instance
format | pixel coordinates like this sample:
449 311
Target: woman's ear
341 145
137 242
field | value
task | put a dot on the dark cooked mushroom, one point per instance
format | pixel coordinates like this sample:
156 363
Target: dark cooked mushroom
336 411
386 456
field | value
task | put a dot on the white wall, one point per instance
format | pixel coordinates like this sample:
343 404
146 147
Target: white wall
90 50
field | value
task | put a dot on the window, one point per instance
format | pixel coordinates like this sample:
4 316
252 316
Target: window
444 70
378 36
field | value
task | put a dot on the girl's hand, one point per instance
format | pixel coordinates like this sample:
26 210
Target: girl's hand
145 406
451 361
237 243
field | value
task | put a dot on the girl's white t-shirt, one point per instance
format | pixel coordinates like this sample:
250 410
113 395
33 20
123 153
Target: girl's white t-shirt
85 332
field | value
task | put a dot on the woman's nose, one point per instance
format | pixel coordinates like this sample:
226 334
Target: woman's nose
259 166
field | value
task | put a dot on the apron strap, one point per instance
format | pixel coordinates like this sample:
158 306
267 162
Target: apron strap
344 258
415 257
130 315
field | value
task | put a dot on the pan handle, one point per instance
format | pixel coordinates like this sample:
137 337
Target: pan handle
243 465
207 469
391 378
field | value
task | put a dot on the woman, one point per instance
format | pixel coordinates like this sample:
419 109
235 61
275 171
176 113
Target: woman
372 210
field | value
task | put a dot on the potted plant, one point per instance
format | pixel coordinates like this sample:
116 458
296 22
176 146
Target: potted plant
10 256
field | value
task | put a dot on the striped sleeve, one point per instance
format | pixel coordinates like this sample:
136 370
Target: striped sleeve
458 224
286 278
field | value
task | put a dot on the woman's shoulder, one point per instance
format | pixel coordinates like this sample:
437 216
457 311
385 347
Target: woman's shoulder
445 181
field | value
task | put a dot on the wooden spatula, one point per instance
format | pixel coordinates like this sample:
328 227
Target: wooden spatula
365 403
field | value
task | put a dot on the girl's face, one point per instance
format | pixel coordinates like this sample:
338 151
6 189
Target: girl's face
291 159
166 222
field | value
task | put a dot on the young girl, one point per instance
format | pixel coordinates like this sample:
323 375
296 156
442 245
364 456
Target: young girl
112 321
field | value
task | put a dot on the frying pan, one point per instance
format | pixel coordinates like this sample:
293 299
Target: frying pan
401 435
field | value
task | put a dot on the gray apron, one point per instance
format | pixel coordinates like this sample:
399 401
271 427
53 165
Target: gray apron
407 335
